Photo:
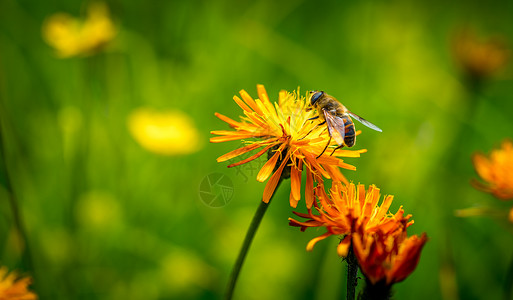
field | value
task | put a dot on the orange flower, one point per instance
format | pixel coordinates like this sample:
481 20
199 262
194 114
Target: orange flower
283 129
387 257
349 209
496 171
13 287
480 58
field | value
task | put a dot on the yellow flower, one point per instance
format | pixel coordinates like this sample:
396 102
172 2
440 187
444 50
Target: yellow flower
73 37
348 210
283 130
496 171
167 133
13 287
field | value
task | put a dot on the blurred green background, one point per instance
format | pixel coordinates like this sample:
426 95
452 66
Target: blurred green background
107 219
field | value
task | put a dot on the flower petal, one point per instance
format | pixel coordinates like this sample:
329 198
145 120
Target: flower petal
311 244
238 152
293 202
242 105
295 181
255 156
407 259
268 167
273 182
309 189
343 246
220 139
247 98
230 122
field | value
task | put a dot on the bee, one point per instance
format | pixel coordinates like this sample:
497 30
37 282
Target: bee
337 119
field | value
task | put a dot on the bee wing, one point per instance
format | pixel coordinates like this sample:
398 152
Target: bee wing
364 122
336 127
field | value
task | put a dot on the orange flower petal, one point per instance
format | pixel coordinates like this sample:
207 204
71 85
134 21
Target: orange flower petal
407 259
295 183
349 153
315 165
482 166
293 202
496 171
230 122
346 166
273 182
268 167
343 246
262 94
247 98
309 189
220 139
242 105
311 244
237 152
258 121
336 175
251 157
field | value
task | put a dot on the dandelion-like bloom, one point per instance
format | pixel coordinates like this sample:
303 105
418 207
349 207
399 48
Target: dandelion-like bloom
73 37
350 209
13 287
295 141
387 256
166 133
496 171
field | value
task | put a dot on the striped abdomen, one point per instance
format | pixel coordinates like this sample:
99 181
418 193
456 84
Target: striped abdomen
349 136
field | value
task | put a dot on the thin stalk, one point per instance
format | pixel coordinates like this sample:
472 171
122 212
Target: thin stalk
352 271
13 203
253 227
508 282
378 291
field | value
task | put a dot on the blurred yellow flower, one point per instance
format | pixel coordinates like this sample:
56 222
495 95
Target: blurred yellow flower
292 141
73 37
13 287
166 133
496 171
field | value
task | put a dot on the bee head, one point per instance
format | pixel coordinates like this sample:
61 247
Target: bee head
316 95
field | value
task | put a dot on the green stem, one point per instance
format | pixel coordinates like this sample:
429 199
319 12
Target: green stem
18 223
352 271
378 291
253 227
508 282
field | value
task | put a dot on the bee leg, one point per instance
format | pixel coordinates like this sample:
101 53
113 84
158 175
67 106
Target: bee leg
316 117
306 135
311 131
336 149
324 148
